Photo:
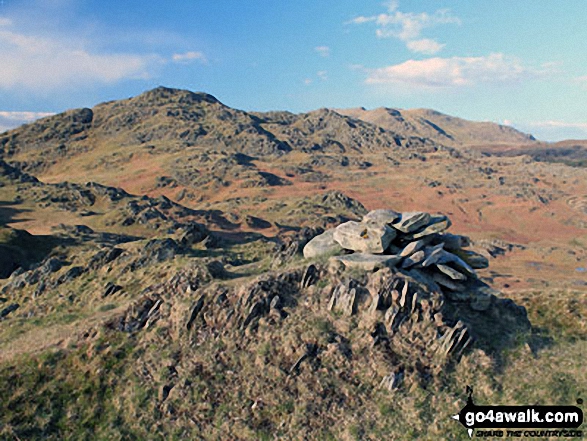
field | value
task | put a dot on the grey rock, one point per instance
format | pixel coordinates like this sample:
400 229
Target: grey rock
454 242
481 301
275 303
311 276
367 262
367 238
195 311
437 224
446 257
475 260
454 341
392 381
412 247
412 221
447 282
72 273
50 266
10 308
346 297
414 259
382 217
111 289
192 233
433 254
322 245
451 272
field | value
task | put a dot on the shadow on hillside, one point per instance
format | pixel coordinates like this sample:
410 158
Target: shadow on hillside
19 249
8 212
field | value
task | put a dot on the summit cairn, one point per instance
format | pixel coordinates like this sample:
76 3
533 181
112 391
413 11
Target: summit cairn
415 285
408 241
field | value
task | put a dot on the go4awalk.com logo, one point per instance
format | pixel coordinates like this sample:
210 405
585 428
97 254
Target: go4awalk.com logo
520 421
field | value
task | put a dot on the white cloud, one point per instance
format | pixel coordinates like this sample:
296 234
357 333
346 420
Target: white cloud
308 81
436 73
5 21
391 5
322 74
10 120
324 51
425 46
44 63
408 26
189 56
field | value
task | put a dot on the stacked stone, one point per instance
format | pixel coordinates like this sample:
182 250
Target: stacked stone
415 242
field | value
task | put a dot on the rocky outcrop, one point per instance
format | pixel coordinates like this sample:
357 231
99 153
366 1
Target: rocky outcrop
422 277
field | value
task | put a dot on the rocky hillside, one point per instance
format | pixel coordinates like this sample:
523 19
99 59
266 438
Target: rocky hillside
444 129
174 268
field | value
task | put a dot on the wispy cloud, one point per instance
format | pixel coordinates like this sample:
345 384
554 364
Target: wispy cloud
425 46
190 56
10 120
322 74
49 63
324 51
439 73
408 26
40 62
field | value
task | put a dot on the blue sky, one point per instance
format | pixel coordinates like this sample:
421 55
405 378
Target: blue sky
521 63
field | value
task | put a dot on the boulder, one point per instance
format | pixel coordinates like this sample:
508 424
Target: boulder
367 262
412 221
366 238
322 245
382 217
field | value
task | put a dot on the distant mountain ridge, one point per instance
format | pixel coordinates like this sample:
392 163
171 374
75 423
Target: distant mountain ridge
189 139
442 128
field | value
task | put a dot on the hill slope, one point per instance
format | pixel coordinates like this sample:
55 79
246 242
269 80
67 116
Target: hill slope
444 129
168 295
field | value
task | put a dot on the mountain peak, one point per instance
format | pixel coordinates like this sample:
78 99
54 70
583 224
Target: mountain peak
162 94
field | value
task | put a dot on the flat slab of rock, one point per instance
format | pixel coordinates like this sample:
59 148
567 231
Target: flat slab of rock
322 245
412 221
437 224
451 272
382 217
412 247
366 238
367 262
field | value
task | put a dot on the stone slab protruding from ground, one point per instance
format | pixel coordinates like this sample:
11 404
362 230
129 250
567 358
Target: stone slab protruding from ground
322 245
382 217
367 262
412 221
366 238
